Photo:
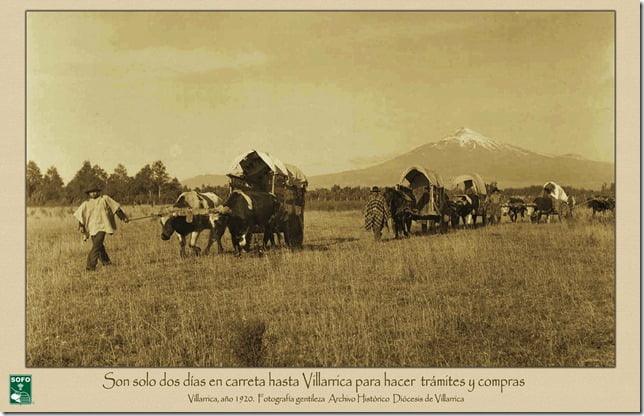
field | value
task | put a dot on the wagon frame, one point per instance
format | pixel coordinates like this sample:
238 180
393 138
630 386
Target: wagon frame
472 180
429 186
561 205
259 171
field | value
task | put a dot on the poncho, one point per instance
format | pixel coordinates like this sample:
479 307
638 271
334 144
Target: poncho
97 214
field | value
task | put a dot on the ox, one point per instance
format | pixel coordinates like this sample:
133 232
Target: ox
192 224
464 207
401 202
276 227
543 205
244 213
516 207
601 204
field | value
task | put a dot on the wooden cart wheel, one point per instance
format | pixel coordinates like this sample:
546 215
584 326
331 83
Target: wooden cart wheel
565 210
295 231
299 233
443 224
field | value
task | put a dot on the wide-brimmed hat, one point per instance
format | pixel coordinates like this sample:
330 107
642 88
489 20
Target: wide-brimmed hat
93 188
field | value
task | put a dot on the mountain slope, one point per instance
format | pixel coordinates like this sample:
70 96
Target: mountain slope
468 151
200 180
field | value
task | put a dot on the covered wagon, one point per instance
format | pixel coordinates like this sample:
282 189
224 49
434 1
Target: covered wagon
471 186
556 192
259 171
561 205
429 195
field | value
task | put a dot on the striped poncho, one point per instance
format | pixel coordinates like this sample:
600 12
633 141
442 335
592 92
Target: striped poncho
376 213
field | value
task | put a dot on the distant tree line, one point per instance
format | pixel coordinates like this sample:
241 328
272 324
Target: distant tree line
221 191
338 193
153 185
150 185
358 193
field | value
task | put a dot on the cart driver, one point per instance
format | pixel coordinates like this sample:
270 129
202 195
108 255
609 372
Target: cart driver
469 188
549 192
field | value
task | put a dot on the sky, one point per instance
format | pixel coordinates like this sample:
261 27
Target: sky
326 91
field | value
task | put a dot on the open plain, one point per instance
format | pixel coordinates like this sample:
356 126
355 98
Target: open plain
510 295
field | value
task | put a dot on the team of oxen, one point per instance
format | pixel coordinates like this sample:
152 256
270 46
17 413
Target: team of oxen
248 212
243 214
545 206
267 197
421 195
462 209
458 210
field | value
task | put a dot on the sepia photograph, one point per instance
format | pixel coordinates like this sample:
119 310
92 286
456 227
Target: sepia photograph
355 189
417 206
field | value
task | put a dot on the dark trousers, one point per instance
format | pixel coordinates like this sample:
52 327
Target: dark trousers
97 252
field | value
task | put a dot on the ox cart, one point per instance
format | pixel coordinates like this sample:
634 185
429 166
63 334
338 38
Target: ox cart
429 196
259 171
553 202
562 204
471 187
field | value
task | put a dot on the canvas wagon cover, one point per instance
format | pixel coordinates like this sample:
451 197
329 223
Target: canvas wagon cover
296 177
476 180
556 191
417 176
253 165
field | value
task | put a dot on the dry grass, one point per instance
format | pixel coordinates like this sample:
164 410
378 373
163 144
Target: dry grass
513 295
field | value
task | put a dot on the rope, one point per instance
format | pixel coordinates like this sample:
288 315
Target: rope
585 202
179 212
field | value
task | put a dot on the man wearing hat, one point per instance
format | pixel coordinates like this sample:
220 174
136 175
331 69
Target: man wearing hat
376 213
549 192
494 205
95 219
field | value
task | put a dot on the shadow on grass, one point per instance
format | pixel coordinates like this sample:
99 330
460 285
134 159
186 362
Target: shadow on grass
325 245
248 344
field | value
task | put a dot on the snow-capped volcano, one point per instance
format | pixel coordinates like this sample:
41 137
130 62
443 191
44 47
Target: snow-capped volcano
465 137
467 151
470 139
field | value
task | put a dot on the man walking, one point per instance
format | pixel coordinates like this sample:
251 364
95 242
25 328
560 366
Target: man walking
494 206
96 219
376 213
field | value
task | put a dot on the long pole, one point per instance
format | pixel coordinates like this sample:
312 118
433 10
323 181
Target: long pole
142 218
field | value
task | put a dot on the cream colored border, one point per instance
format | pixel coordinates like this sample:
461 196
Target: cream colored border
74 390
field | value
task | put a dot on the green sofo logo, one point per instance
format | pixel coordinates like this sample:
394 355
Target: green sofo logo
20 389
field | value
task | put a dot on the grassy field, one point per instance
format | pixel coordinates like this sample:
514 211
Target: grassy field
511 295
